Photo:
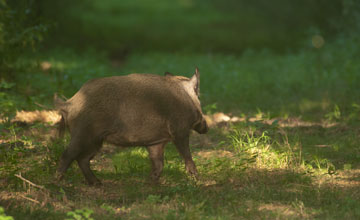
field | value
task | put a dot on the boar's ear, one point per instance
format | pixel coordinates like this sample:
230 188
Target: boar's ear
195 81
168 74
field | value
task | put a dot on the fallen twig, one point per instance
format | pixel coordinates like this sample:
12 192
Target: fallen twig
28 181
322 145
30 199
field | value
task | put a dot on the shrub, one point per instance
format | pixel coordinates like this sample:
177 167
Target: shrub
20 29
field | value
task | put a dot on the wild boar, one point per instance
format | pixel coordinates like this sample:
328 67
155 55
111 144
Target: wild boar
133 110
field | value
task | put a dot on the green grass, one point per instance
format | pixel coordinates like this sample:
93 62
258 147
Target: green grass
305 169
248 170
293 155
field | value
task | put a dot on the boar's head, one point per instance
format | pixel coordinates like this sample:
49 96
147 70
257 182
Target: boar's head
192 88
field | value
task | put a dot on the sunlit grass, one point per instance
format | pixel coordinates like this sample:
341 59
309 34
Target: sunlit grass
139 162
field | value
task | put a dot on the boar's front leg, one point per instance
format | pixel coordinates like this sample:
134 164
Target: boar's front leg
182 145
156 154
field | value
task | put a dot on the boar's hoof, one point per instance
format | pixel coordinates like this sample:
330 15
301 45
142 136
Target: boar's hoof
191 170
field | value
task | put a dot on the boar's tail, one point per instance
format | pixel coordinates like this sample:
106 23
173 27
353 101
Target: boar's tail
61 127
60 105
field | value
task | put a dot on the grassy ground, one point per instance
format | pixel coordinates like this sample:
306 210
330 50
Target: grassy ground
293 155
291 152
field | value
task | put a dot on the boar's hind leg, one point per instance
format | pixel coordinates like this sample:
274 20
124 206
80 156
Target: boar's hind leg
82 152
182 145
68 156
156 154
84 162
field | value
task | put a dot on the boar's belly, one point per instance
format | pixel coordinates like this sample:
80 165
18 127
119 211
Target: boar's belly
121 139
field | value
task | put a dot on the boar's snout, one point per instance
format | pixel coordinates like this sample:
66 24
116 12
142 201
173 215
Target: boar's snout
201 127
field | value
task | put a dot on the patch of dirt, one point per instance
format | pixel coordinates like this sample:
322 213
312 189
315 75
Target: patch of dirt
214 153
285 210
348 179
29 117
221 119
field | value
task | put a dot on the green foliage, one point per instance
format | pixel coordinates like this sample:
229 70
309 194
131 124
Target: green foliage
80 214
210 109
335 114
20 29
245 145
351 16
194 25
320 166
6 85
245 140
256 148
132 161
7 103
153 199
108 208
3 216
12 153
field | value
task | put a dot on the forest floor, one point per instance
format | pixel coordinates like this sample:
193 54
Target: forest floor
284 122
283 142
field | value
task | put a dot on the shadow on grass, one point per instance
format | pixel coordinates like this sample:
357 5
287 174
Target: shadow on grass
224 189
